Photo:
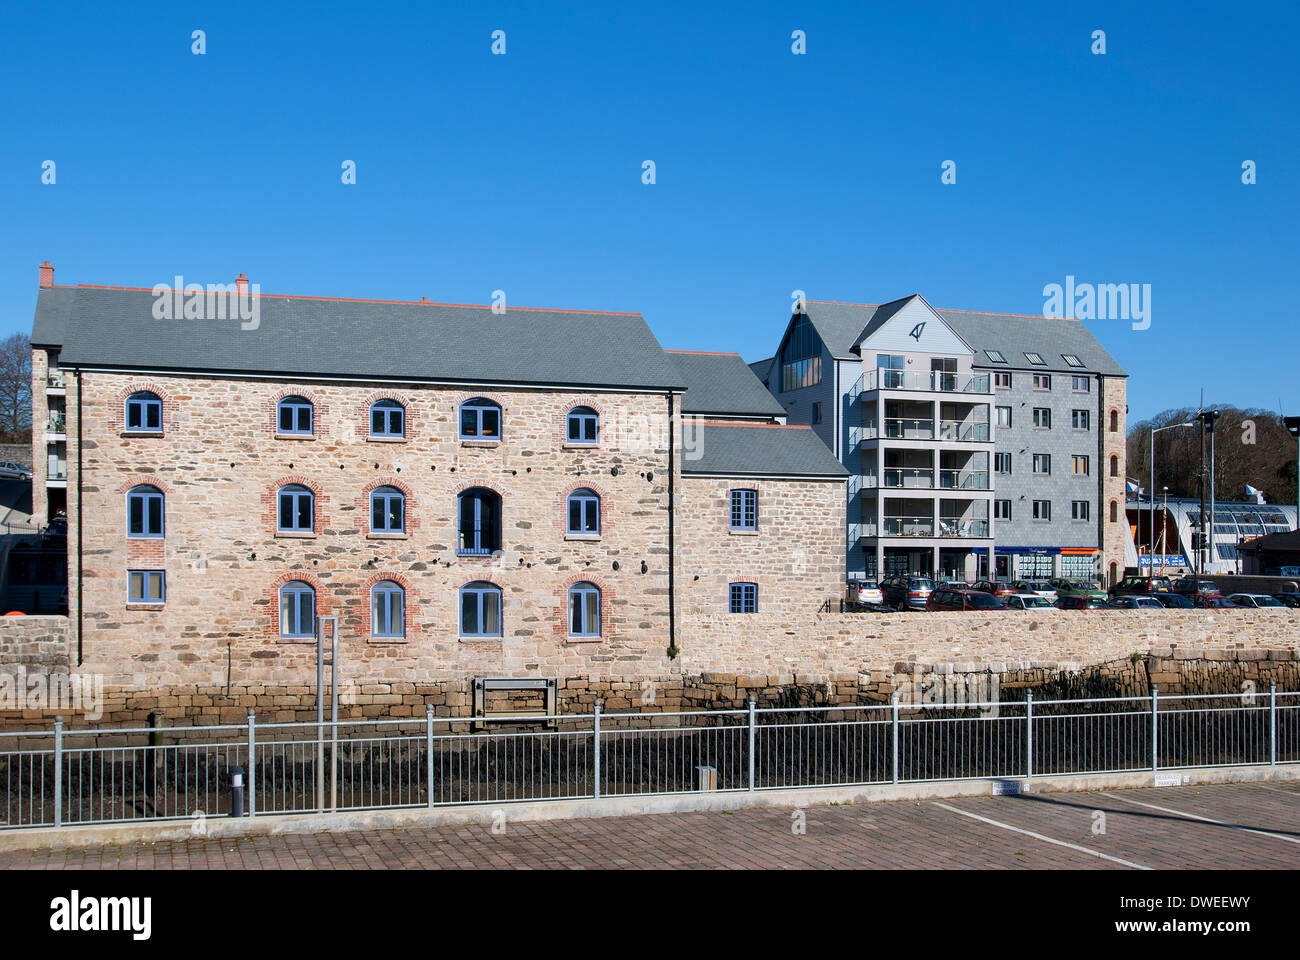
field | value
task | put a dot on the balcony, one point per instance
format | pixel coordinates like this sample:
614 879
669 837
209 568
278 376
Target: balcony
908 527
953 527
897 428
56 425
909 478
963 480
932 382
963 432
55 381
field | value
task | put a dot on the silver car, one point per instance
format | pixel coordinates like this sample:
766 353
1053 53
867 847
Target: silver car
1255 600
14 471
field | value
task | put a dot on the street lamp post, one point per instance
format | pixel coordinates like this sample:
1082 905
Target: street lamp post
1293 424
1207 418
1151 493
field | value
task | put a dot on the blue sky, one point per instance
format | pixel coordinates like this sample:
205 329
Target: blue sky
774 172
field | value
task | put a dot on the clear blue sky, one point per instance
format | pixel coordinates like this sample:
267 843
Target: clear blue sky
774 171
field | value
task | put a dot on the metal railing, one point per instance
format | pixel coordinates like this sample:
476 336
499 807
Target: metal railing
62 777
905 428
908 526
932 382
960 430
953 527
914 477
964 479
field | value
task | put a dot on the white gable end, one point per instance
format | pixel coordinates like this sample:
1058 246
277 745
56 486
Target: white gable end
916 329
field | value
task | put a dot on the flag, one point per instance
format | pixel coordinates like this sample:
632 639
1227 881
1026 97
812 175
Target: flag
1257 494
1132 487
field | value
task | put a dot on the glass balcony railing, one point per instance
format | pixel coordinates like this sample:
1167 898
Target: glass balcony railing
897 428
952 527
56 425
908 526
909 478
963 480
54 381
964 432
935 382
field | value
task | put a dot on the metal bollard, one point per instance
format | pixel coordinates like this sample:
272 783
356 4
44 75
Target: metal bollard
237 792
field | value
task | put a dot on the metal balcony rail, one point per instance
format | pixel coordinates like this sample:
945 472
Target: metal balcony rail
964 432
963 479
63 777
909 477
930 382
963 528
899 428
55 425
55 380
908 526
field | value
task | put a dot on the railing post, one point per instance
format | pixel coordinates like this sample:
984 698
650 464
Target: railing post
428 750
595 726
1029 733
58 770
252 763
1272 722
893 727
1155 741
753 731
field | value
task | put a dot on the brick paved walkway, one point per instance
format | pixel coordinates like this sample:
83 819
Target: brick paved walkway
898 834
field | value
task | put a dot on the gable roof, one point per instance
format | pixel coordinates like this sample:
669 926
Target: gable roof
382 340
755 450
722 384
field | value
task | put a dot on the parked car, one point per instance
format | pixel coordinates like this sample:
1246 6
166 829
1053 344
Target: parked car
1080 588
1255 600
1080 602
1174 601
1130 586
1190 587
1041 588
998 588
1135 601
906 592
15 471
1288 599
865 591
1205 601
57 530
949 598
1029 601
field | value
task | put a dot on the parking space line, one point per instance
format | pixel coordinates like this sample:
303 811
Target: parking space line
1264 786
1039 836
1193 816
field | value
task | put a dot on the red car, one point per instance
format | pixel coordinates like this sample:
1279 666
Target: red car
1081 603
1216 603
997 588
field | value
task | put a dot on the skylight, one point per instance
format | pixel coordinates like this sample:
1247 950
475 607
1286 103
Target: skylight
1071 359
995 356
1035 359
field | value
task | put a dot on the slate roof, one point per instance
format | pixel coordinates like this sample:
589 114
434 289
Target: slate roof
842 326
740 450
115 327
722 384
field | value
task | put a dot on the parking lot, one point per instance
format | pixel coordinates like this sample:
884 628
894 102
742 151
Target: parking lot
1225 826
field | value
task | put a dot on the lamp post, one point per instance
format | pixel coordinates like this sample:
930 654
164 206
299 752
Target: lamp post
1293 424
1207 418
1151 513
1164 525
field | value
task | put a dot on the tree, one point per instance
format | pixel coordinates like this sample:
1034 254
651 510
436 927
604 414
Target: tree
16 389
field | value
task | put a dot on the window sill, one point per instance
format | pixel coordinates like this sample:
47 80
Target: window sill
583 537
303 640
484 639
486 444
385 641
580 446
487 555
388 536
295 436
583 639
145 605
142 433
743 533
373 439
295 534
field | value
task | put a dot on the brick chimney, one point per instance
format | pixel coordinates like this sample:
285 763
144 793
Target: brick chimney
241 285
47 274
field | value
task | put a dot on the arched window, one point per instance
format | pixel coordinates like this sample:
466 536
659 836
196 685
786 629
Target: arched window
387 419
743 598
584 425
480 420
387 510
297 508
144 413
297 610
387 609
294 416
584 610
584 511
479 522
1114 573
480 609
1114 421
1114 511
1114 466
144 511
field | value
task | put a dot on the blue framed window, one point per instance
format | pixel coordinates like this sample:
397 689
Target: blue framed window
480 420
744 598
297 610
584 511
387 609
387 419
584 610
144 512
387 510
294 415
297 509
584 425
744 509
479 522
144 413
146 586
480 609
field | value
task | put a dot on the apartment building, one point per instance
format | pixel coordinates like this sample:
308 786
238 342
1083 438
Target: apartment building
470 492
978 444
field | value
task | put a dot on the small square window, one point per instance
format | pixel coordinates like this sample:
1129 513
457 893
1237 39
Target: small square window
1043 463
146 586
1002 463
744 598
1081 384
1002 381
1001 509
1079 465
1042 509
1043 418
1042 381
1079 510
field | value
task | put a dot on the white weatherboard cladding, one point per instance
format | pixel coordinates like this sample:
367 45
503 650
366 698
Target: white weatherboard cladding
904 333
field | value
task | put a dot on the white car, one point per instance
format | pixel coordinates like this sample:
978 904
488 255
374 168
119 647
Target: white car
1027 601
866 591
1039 588
1255 600
14 471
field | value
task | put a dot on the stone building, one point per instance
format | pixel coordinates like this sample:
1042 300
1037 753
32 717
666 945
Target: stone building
470 492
